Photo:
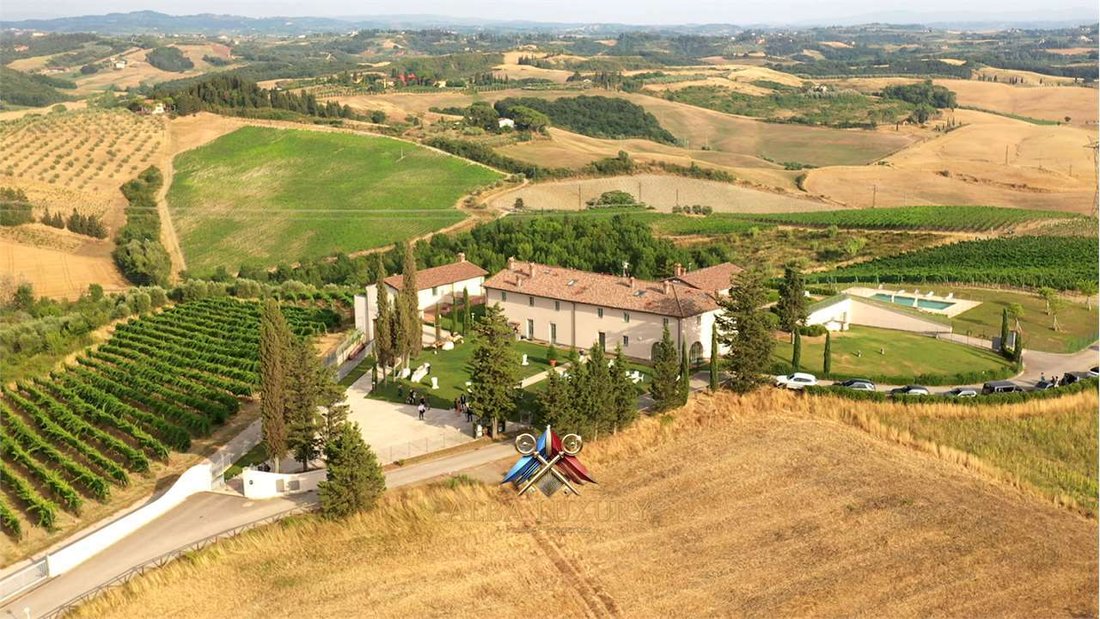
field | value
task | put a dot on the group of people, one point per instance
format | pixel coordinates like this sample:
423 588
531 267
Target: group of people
462 405
422 404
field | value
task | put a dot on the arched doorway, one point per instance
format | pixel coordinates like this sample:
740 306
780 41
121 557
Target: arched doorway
695 354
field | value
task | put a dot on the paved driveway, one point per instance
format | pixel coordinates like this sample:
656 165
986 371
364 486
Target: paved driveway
393 430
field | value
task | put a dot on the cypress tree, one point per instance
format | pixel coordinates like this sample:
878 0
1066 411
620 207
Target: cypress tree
493 368
1004 334
744 330
792 300
384 336
601 411
410 335
467 316
275 339
796 351
827 362
438 326
354 479
663 389
624 394
714 358
556 404
304 386
684 386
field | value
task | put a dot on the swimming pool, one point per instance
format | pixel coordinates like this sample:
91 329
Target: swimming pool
912 301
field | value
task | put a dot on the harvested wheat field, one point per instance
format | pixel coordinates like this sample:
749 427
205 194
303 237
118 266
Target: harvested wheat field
757 506
138 71
59 273
659 191
1048 167
1044 102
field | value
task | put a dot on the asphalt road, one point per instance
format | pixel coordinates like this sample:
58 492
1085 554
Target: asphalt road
204 515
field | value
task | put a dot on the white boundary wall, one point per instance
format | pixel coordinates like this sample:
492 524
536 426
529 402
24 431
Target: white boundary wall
193 480
263 485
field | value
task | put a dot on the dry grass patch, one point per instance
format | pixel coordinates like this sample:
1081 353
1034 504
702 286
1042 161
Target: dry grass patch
730 506
659 191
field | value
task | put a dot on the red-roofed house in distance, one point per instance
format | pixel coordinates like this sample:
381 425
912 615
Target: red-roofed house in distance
572 308
443 284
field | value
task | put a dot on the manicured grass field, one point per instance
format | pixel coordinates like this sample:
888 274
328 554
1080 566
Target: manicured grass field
1077 325
261 196
895 357
452 368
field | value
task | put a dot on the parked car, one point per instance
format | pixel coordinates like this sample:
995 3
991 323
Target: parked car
962 392
1095 372
1000 386
910 390
797 380
1071 377
857 384
1043 385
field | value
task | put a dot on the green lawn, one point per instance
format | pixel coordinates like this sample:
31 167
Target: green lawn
451 367
895 357
1077 326
262 196
1056 452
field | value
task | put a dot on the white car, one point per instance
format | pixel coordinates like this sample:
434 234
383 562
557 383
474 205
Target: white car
797 380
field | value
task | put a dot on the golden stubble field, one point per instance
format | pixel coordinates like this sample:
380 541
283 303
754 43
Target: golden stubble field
138 71
660 191
758 506
1048 167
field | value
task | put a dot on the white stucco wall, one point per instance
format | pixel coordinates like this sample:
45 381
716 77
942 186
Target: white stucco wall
263 485
447 293
851 311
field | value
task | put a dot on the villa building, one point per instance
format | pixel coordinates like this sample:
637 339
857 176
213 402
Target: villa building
444 285
572 308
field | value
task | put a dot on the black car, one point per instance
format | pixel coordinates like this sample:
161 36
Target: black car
1071 377
1043 385
910 390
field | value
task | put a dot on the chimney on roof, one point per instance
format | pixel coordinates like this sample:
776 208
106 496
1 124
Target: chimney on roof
462 256
512 263
678 269
519 281
666 287
632 282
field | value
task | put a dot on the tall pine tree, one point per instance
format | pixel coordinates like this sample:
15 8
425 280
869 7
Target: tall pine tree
1004 334
275 342
493 368
684 386
556 405
666 373
353 477
827 362
744 331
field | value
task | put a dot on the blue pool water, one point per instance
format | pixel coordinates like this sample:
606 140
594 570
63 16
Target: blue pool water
912 301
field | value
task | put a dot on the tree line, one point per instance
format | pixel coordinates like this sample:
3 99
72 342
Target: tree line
231 94
16 209
600 117
139 253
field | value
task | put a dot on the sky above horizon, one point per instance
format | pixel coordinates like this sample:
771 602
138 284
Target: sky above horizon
615 11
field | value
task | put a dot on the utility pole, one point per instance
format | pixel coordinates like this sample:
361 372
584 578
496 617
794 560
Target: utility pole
1006 154
578 197
677 197
874 195
639 192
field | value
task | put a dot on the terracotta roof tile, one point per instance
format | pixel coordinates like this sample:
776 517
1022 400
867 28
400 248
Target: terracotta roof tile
563 284
711 279
440 276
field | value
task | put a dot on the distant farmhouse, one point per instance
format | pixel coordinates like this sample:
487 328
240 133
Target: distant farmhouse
567 307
